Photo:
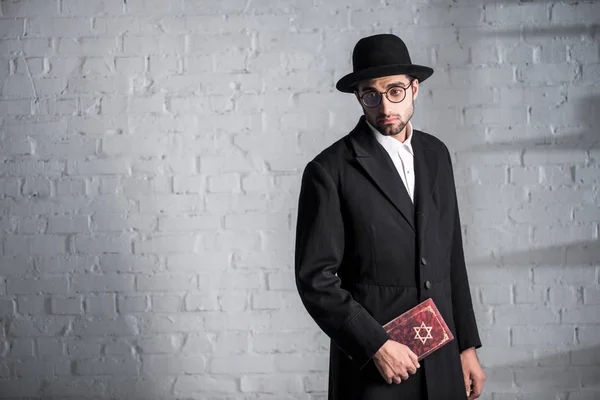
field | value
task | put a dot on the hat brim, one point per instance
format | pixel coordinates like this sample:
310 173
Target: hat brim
348 83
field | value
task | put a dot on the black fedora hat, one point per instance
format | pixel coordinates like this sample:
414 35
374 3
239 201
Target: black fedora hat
380 55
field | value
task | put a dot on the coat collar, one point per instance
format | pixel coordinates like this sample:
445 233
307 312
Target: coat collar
379 167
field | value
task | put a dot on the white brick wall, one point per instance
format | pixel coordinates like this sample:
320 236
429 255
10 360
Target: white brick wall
150 161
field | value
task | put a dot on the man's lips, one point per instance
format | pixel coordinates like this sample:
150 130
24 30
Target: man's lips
388 120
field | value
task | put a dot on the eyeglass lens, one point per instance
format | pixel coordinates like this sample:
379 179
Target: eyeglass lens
394 94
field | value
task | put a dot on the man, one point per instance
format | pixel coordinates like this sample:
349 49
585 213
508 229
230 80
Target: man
379 232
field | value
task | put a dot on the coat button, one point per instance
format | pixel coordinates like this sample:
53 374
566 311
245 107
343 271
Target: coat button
423 261
427 285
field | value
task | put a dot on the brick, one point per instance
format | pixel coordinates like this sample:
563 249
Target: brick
587 175
224 183
92 7
21 387
530 294
569 275
167 303
243 364
54 285
172 203
84 348
161 344
102 283
584 314
257 221
173 364
50 347
159 282
591 295
131 304
574 13
558 235
189 223
585 53
102 243
539 336
118 222
489 76
195 384
9 187
7 307
279 281
517 14
541 73
531 314
537 214
229 280
84 46
202 302
31 304
495 294
39 326
556 175
278 383
99 167
551 52
172 323
102 326
588 335
166 244
101 304
16 266
294 363
67 305
68 224
31 47
551 378
12 28
117 366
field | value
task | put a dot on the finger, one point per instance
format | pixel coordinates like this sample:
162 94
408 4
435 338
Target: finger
411 369
467 379
403 375
477 387
414 358
396 379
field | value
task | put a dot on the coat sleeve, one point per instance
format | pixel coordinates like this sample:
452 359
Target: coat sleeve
318 255
464 316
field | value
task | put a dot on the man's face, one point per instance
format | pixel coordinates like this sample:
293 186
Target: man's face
389 118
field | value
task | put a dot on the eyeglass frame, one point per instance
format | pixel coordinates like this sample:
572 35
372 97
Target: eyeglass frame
386 94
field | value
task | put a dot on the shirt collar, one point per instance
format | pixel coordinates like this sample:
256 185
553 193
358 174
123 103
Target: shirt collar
391 144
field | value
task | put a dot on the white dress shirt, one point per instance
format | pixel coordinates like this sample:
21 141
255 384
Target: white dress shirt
402 156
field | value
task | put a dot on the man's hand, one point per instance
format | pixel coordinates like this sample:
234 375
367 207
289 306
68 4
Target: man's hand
472 373
395 361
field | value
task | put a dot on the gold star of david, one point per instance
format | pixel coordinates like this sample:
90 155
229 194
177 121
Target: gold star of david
418 331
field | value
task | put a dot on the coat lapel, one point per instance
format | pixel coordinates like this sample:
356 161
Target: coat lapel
426 169
377 164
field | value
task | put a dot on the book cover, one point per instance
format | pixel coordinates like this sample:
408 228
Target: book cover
421 328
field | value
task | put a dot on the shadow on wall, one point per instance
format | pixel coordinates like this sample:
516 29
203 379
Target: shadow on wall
551 371
586 137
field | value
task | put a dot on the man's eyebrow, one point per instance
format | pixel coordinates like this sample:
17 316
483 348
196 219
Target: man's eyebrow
399 83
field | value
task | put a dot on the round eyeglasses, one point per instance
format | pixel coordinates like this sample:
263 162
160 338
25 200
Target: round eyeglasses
394 94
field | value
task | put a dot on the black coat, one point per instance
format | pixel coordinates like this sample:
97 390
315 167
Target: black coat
365 254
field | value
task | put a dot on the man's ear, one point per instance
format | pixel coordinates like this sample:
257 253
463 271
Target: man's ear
415 89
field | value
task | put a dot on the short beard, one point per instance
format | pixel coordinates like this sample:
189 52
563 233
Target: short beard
394 129
391 130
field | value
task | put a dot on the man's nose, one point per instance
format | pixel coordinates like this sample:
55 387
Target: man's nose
384 104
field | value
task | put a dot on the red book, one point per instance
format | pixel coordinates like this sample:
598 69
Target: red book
421 328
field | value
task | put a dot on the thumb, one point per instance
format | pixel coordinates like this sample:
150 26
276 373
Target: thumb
467 379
